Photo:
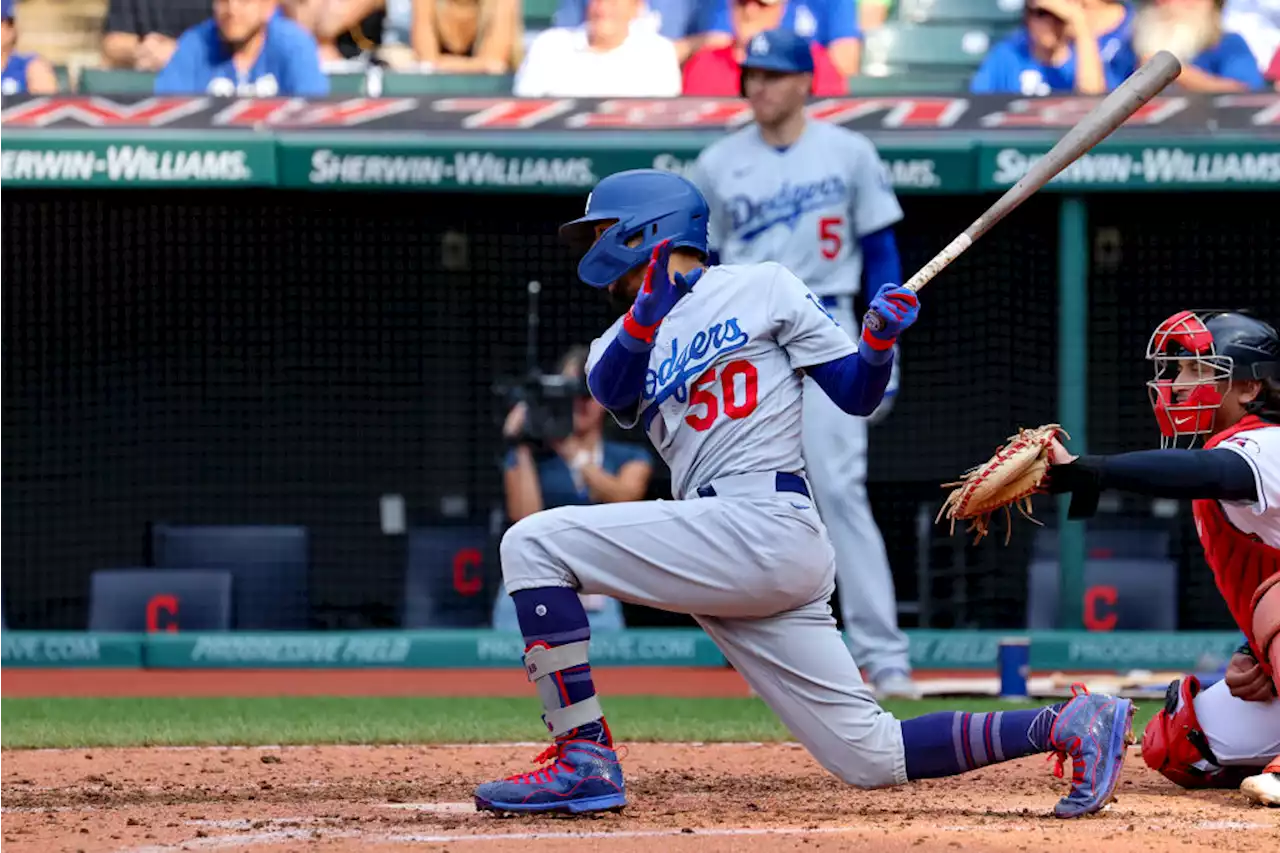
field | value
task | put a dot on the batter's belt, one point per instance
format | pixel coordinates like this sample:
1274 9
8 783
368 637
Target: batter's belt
746 485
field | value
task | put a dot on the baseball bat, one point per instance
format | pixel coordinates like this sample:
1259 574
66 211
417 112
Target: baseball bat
1140 87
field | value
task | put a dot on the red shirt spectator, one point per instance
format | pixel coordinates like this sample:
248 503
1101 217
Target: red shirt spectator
716 72
1273 71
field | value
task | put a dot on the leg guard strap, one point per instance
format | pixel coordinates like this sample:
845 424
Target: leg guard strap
541 661
543 665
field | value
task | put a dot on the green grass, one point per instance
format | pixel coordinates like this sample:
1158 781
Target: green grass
31 723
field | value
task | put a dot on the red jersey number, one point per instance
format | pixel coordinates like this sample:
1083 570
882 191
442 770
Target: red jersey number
830 236
738 384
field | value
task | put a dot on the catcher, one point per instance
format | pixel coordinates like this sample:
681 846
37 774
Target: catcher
1217 374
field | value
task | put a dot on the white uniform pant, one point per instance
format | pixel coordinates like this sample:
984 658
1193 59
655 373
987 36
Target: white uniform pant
1239 732
756 572
835 452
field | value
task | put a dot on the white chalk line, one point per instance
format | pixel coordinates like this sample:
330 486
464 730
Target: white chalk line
278 835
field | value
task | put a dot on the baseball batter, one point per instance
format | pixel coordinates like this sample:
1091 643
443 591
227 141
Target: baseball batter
815 198
708 361
1217 374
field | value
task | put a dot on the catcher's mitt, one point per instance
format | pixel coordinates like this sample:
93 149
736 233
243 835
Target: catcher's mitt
1016 472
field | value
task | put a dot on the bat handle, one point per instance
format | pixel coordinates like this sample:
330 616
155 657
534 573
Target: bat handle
872 319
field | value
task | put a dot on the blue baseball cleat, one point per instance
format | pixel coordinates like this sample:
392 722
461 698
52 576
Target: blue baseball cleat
585 777
1095 731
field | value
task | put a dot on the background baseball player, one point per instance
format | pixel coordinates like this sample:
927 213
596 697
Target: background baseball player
708 362
815 198
1217 375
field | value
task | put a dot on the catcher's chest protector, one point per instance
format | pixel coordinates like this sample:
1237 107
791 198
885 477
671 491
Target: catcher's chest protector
1239 561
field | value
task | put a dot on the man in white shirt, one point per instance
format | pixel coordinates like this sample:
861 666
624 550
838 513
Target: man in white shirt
603 58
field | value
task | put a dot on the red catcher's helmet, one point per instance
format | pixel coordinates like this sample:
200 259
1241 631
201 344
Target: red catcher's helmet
1222 345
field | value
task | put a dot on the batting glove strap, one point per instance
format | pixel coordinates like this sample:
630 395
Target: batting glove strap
643 333
879 344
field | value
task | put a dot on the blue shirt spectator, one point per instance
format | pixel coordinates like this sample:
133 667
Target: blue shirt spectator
21 73
562 486
246 49
1045 55
1221 61
831 23
1233 59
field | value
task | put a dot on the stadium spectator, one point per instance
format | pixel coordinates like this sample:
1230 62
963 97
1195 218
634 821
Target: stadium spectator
1056 50
142 34
246 49
468 36
873 13
831 23
1212 60
584 468
603 58
1273 70
350 32
686 22
1258 23
21 73
716 72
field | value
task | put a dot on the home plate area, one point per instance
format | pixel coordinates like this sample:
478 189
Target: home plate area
705 797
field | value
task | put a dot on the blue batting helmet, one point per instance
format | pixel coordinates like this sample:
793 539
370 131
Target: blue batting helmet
779 50
646 203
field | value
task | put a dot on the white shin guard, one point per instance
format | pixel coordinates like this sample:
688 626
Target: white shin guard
542 664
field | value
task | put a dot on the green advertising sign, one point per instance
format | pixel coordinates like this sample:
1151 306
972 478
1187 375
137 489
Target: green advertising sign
1208 164
153 159
465 649
336 163
50 649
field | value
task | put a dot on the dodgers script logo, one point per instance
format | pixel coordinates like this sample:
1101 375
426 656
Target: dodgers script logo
676 370
786 206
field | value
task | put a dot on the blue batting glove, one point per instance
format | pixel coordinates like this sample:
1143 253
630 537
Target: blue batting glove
658 295
897 308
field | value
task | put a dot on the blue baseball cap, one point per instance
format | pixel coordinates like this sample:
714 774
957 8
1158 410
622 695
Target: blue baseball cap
7 11
779 50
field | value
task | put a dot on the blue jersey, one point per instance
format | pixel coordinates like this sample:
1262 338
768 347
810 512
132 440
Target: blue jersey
13 79
288 65
1011 68
824 21
556 480
1232 58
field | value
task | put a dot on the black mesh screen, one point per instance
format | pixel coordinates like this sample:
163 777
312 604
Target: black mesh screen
277 357
1150 259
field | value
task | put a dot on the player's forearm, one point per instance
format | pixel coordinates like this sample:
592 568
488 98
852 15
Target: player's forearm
1179 474
854 383
617 379
523 491
880 261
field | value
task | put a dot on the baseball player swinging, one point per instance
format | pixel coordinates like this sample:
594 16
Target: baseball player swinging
709 362
814 197
1217 374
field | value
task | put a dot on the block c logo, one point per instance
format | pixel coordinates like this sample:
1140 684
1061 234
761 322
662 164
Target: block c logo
166 606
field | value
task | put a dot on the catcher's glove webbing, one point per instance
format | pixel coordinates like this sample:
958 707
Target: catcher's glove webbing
1017 471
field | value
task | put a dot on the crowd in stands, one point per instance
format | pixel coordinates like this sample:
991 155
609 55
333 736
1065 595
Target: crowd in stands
665 48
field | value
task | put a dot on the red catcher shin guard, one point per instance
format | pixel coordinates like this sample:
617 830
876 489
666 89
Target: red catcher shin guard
1266 626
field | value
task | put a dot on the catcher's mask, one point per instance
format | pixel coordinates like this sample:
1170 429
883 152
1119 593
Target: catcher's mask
1221 346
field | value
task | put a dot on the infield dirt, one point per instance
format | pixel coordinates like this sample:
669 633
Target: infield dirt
715 797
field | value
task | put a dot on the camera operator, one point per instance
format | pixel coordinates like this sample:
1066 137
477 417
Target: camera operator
582 467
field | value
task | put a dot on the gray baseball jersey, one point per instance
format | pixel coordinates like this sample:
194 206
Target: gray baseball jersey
805 207
722 395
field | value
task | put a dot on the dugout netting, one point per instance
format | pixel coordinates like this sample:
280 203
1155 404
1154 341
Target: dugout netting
282 357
